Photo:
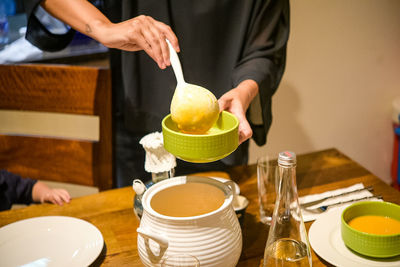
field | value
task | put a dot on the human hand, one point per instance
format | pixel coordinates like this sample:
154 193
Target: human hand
139 33
42 193
237 101
56 196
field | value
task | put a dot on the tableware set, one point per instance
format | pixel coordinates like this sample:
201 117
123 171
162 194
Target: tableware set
214 238
326 240
335 240
331 236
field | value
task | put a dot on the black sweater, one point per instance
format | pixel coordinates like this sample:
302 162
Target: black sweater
14 190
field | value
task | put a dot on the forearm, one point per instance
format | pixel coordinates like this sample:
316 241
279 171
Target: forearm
79 14
135 34
247 90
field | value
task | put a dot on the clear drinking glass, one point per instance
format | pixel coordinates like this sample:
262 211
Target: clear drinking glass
287 243
180 260
267 170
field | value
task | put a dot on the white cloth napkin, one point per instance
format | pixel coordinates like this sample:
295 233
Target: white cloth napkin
19 50
157 158
310 215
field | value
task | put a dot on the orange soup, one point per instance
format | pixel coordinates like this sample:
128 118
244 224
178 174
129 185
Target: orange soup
379 225
187 200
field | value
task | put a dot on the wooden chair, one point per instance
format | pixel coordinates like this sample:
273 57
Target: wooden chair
55 123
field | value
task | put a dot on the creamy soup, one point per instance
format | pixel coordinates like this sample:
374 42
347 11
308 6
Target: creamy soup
373 224
187 200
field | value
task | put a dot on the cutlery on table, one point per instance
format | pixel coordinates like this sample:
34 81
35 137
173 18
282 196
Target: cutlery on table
325 207
314 202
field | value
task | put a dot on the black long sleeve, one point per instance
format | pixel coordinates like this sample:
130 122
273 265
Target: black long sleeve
39 35
263 57
14 190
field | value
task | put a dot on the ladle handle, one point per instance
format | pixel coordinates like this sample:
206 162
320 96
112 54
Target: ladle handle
176 65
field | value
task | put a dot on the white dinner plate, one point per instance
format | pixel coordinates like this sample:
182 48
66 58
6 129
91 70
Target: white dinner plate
326 240
50 241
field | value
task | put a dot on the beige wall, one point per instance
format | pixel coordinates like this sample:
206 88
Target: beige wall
343 72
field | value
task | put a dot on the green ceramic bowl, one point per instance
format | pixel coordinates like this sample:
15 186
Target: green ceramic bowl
379 246
220 141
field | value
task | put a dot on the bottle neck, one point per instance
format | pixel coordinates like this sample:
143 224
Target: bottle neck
287 199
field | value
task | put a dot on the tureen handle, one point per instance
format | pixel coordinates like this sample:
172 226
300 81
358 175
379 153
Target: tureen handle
231 184
161 240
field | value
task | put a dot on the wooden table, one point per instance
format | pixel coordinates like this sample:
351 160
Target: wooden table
111 211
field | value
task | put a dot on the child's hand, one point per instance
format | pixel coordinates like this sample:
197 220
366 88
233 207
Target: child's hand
56 196
42 193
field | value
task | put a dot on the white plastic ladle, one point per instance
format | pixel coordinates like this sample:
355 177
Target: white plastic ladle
193 108
176 66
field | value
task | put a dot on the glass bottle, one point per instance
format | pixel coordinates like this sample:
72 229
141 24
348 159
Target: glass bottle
287 243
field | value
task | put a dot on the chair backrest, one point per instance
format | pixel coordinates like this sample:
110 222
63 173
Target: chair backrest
55 123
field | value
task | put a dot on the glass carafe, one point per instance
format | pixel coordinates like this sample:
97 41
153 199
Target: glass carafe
287 243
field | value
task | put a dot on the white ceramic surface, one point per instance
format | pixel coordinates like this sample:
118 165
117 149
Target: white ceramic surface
215 238
326 240
50 241
223 180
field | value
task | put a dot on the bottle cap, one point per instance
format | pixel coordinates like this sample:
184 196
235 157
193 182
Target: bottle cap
287 158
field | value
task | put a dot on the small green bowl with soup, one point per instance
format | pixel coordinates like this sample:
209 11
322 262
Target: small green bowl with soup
372 228
220 141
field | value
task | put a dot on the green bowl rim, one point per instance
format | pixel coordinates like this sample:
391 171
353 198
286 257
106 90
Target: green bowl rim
365 203
203 135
